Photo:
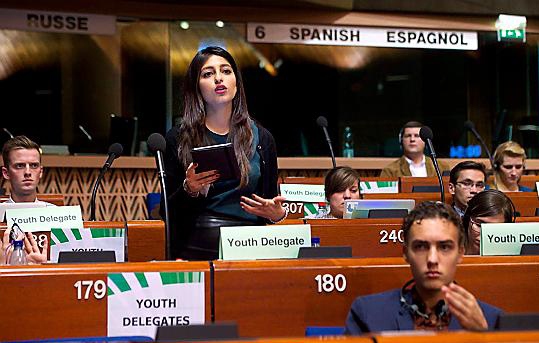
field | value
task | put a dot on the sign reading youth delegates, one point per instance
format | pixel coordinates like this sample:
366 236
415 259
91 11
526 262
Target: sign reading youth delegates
304 193
369 187
263 242
507 238
30 20
43 219
360 36
88 240
138 303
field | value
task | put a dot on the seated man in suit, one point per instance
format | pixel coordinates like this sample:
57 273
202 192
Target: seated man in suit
22 168
432 300
413 161
466 180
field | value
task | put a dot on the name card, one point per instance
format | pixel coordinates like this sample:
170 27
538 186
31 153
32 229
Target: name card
137 303
370 187
263 242
95 239
44 219
507 238
303 193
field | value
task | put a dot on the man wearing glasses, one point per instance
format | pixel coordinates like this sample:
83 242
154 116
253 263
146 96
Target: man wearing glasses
22 169
466 180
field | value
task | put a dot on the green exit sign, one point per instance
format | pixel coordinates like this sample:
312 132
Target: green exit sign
516 34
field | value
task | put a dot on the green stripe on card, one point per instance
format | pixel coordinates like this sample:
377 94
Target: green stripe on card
120 282
102 233
169 278
76 233
109 291
59 235
142 280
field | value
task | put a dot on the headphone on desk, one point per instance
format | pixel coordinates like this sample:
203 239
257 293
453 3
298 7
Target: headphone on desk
441 309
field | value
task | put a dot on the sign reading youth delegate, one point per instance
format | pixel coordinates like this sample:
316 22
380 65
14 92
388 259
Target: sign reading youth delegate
507 238
304 193
57 22
360 36
263 242
43 219
138 303
88 240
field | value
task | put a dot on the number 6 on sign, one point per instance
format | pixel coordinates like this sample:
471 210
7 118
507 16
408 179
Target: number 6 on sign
99 289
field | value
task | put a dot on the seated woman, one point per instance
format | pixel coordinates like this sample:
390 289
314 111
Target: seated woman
509 164
340 184
490 206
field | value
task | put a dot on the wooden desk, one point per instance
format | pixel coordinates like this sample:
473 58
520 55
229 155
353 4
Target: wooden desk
56 199
145 238
282 298
410 337
525 202
367 237
40 302
459 337
407 183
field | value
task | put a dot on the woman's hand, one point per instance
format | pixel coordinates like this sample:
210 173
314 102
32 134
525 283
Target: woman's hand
195 183
271 209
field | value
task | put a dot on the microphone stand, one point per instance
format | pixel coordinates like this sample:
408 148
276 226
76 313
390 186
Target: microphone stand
161 175
437 168
330 146
94 191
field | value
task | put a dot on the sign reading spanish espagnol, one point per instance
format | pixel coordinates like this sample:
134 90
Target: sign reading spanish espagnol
361 36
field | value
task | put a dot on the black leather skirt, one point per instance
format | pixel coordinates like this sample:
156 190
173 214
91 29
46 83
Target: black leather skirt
203 243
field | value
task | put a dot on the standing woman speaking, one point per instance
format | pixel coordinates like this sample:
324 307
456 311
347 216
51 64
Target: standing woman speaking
215 112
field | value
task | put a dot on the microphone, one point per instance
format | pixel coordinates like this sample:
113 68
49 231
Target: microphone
8 133
115 151
323 123
469 125
425 133
157 145
83 130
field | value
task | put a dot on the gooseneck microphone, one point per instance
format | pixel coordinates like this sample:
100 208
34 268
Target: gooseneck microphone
425 133
323 123
157 145
115 151
469 125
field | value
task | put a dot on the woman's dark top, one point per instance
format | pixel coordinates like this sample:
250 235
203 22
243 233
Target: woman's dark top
184 210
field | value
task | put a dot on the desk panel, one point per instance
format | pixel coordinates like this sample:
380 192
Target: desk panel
367 237
282 298
40 302
145 238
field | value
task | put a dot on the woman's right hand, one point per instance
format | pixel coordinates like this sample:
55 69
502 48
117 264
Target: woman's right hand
196 182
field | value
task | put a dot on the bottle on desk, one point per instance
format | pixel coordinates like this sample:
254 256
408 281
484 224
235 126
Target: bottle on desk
18 256
315 242
348 143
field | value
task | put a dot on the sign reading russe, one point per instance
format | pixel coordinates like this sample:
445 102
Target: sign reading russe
43 219
507 238
263 242
57 22
360 36
138 303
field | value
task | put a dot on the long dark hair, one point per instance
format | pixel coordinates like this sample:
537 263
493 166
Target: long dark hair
488 203
193 128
